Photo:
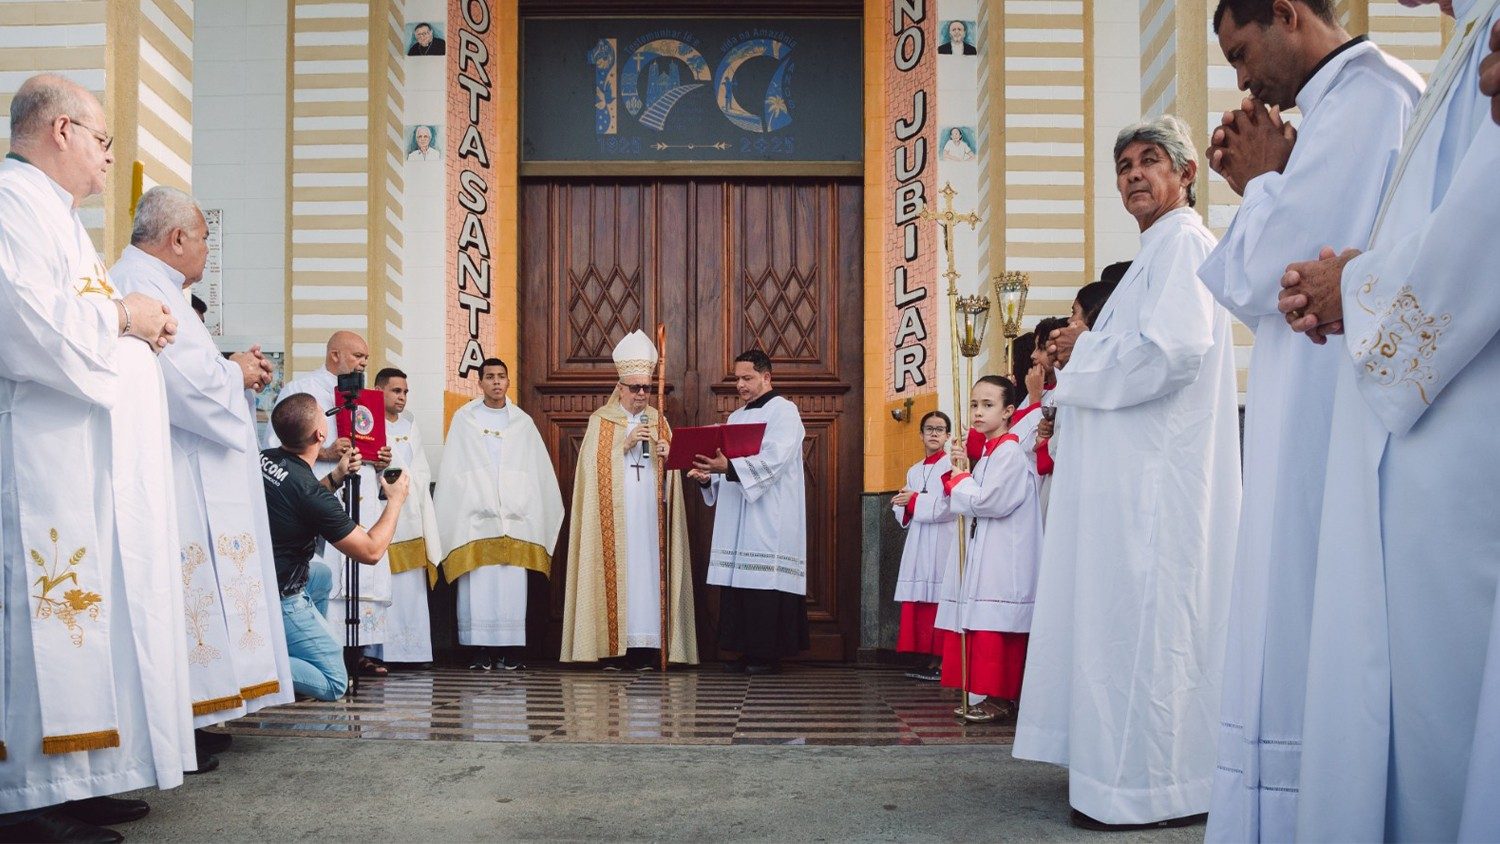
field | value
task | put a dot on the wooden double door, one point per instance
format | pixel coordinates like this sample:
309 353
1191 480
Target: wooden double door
726 265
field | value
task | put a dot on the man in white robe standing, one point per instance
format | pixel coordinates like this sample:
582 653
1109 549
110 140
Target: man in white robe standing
416 551
612 606
759 553
237 659
1127 639
1355 102
94 693
499 510
1409 549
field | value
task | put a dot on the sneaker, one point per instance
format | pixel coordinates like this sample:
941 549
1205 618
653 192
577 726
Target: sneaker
506 663
481 663
926 675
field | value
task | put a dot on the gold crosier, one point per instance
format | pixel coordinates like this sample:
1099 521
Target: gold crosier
969 316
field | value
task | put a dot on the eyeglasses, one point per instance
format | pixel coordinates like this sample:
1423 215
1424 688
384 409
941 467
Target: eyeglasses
104 138
928 429
638 389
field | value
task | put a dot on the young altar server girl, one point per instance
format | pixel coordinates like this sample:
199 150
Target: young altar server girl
929 538
992 602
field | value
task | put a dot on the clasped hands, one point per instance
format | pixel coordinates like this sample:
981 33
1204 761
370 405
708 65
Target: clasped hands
147 319
257 370
1252 140
1312 295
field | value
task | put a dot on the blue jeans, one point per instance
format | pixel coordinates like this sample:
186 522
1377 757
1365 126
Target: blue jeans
317 660
319 586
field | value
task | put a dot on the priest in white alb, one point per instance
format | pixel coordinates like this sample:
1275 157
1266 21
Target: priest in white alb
612 607
1355 102
416 551
237 656
94 693
499 511
1127 640
1409 549
759 553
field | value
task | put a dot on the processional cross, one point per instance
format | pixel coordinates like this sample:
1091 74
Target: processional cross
948 219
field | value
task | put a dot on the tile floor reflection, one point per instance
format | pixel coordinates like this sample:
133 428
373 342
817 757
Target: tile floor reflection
807 704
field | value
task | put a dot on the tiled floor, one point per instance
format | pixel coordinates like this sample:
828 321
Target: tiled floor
807 704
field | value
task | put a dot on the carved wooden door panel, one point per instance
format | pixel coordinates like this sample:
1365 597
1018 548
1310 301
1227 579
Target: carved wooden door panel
726 266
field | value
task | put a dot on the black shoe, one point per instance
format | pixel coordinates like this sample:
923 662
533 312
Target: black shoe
105 811
205 764
755 668
736 665
56 826
211 744
481 663
1083 821
510 664
926 675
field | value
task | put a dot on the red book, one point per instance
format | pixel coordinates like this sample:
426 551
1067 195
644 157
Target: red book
734 440
367 427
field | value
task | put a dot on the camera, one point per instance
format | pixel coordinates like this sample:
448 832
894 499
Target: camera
390 476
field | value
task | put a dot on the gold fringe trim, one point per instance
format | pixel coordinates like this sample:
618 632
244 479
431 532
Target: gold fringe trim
218 704
432 576
269 687
496 551
81 741
407 555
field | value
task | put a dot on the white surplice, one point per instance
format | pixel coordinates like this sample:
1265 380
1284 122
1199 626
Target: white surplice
374 581
760 523
497 495
1124 663
414 555
1354 111
1002 513
236 641
1409 553
930 533
1481 817
642 551
84 464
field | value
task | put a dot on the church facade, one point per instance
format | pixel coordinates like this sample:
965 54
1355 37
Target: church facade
543 176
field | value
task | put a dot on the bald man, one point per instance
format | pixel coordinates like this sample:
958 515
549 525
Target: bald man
94 679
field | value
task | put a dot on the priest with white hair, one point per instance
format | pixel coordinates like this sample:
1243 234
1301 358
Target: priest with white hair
1127 640
237 655
612 607
94 693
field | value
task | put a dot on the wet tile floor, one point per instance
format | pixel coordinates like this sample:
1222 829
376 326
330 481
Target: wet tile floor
806 704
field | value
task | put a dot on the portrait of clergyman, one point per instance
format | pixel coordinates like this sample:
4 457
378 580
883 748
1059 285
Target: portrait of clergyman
959 33
424 38
422 143
958 143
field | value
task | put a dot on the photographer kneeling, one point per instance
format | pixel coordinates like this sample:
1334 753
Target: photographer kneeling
302 509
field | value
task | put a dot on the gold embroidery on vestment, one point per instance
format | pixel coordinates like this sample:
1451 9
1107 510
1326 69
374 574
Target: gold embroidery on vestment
196 605
1404 341
74 603
244 591
604 465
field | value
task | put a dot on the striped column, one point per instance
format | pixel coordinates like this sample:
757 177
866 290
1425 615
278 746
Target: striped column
344 192
1037 181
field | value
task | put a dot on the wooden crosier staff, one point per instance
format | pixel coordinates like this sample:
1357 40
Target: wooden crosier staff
663 533
947 219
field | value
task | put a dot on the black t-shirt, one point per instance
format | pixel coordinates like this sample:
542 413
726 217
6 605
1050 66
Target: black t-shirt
300 510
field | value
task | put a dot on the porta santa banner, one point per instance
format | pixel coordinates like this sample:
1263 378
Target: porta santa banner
472 216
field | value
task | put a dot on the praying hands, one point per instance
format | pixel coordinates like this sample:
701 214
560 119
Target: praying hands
1061 341
257 370
1252 141
1489 73
1311 295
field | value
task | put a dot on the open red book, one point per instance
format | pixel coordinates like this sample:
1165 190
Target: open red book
734 440
367 427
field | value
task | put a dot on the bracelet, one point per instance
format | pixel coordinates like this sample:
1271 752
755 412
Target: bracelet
126 329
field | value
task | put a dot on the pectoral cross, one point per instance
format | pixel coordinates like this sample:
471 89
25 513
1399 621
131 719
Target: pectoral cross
638 467
947 219
640 461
